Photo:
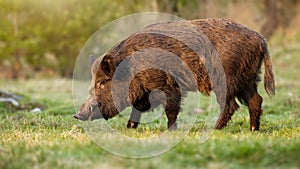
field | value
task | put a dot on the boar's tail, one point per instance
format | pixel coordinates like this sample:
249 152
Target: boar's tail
269 79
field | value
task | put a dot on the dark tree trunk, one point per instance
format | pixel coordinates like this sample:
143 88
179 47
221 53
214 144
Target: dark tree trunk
279 14
168 6
271 24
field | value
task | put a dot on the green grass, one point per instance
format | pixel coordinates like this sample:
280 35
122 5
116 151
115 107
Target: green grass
53 139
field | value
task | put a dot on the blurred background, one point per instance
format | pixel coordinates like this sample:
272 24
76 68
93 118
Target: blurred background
42 38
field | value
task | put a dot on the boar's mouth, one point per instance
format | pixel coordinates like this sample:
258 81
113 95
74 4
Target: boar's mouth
82 118
89 112
88 118
77 116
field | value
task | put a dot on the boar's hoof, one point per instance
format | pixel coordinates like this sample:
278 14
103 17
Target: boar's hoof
132 124
254 128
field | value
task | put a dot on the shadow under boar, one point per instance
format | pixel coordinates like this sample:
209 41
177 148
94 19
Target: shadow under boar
240 52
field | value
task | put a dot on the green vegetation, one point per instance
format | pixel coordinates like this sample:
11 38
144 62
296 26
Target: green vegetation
53 139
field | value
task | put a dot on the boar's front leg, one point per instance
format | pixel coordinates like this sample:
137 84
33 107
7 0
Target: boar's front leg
138 107
172 112
134 119
173 107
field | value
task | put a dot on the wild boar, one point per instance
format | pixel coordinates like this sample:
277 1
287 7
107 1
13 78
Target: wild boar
142 62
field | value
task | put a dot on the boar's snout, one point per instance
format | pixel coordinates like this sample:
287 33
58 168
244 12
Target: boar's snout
77 116
89 110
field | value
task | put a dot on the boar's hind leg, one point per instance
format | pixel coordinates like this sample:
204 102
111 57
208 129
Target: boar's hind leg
134 119
229 108
253 100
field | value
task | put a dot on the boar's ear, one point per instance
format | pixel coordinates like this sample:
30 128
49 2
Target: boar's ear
107 65
92 59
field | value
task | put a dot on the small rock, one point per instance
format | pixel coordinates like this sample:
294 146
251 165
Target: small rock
36 110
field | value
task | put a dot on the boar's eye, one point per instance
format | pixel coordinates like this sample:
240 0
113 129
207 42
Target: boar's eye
100 85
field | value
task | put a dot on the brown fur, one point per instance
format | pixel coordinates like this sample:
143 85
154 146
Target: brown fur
241 53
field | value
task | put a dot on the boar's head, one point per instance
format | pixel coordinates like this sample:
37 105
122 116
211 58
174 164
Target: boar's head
99 103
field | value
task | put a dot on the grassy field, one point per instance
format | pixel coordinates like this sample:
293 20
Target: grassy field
53 139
